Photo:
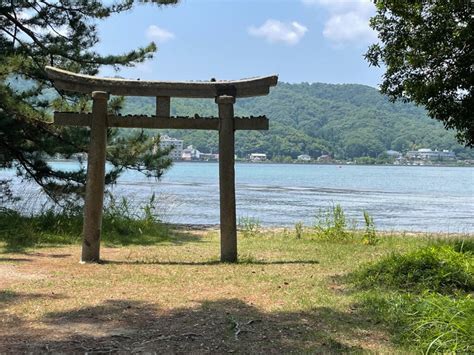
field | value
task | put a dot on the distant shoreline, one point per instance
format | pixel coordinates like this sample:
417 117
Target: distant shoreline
293 163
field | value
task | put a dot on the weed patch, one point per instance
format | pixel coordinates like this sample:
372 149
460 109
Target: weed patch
249 227
438 268
121 225
424 297
430 322
332 225
299 230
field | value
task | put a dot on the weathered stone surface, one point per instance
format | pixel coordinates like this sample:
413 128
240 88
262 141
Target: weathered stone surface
69 81
227 179
94 201
203 123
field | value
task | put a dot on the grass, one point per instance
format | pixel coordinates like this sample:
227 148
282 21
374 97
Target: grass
437 268
429 323
424 297
122 224
331 224
162 289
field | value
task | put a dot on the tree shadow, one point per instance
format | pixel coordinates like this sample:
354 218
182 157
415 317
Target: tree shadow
206 262
160 235
163 235
6 259
221 326
8 297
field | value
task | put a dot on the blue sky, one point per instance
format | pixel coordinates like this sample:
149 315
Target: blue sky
300 40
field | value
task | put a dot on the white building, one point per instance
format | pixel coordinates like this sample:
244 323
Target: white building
304 157
325 158
190 153
428 154
169 142
393 153
258 157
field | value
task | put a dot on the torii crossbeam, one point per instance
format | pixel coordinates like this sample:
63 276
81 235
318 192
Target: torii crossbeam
224 93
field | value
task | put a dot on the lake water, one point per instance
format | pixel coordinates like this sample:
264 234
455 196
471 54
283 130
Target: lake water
435 199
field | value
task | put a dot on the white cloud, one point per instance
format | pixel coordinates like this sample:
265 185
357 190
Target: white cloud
348 27
348 20
360 6
277 31
158 34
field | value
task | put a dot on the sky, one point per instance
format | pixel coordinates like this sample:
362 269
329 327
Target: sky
300 40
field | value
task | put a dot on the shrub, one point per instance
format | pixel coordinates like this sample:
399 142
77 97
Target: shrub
438 268
331 224
370 234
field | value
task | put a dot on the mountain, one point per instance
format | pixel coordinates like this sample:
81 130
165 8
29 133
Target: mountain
346 121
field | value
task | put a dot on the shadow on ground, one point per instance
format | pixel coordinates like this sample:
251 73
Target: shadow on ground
160 235
223 326
116 238
207 262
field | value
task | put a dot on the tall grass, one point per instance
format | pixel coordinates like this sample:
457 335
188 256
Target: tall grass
424 297
332 225
123 223
249 227
370 234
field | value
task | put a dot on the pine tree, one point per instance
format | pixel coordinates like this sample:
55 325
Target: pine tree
61 33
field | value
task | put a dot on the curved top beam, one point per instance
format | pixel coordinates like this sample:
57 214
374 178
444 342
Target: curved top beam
69 81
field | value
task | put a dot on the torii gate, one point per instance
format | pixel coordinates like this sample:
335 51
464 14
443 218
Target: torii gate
224 92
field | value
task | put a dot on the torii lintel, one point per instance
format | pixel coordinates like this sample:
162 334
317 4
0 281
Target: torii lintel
250 87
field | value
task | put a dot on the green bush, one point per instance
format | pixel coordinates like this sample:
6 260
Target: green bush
331 225
435 268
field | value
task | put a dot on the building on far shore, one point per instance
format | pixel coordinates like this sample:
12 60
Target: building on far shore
209 156
190 153
428 154
304 157
176 145
325 158
393 154
258 157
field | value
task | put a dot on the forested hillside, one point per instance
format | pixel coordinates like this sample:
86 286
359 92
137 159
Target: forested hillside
346 121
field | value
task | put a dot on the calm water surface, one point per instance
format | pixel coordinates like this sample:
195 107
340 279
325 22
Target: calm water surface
436 199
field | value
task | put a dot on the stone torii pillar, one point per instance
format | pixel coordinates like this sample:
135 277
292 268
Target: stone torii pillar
227 179
95 183
224 93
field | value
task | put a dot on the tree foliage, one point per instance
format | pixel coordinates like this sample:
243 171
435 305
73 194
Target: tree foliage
427 47
62 33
